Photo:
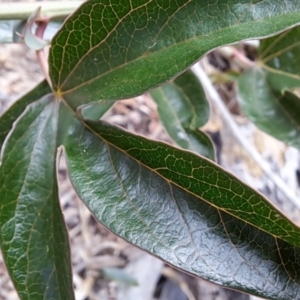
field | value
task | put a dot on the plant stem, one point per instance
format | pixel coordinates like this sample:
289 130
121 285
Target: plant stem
216 98
230 52
41 56
53 9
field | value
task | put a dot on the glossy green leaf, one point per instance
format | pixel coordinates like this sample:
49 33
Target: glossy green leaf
274 111
184 209
11 114
262 90
107 50
183 108
33 235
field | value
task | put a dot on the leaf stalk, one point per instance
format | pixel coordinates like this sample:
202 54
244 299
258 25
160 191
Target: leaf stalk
41 56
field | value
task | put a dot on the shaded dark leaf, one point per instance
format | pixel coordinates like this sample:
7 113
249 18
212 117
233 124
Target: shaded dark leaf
262 89
183 108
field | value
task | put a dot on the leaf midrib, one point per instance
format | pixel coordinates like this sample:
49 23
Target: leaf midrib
280 52
279 72
274 43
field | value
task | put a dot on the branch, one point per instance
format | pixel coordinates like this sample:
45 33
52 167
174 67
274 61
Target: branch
216 98
53 9
232 53
41 56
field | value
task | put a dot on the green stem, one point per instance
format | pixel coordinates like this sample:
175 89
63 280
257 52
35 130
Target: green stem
41 56
52 9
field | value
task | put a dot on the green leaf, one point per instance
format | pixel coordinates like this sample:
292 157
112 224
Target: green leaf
108 51
183 108
281 53
33 234
275 112
185 210
200 143
262 89
195 107
96 110
11 114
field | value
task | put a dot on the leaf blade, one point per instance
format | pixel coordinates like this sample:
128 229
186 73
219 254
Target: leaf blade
33 235
154 213
269 107
182 109
139 41
280 52
262 91
12 113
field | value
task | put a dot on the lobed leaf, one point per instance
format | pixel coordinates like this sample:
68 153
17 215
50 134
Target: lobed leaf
108 51
185 210
183 108
33 234
170 202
